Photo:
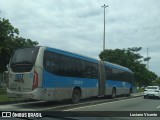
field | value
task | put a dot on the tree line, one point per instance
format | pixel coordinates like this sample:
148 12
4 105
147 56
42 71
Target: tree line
131 58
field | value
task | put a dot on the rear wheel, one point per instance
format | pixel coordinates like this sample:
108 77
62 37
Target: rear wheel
145 96
129 94
113 95
76 96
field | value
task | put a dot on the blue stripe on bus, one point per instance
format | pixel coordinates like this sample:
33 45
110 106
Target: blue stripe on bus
53 81
72 54
113 83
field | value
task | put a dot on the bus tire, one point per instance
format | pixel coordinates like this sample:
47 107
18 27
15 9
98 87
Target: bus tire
130 92
76 96
113 95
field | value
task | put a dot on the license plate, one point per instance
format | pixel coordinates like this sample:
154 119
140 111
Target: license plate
19 95
150 95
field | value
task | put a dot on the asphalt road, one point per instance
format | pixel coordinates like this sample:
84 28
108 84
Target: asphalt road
60 106
133 104
128 109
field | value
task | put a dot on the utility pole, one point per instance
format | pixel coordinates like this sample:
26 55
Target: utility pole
147 59
104 6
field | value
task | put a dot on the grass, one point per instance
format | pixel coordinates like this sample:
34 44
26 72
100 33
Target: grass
4 98
140 90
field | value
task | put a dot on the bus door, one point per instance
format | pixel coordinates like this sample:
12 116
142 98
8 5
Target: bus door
102 79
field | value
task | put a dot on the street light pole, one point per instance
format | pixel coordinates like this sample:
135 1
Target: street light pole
104 6
148 59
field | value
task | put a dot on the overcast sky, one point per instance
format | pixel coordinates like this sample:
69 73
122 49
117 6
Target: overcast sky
77 25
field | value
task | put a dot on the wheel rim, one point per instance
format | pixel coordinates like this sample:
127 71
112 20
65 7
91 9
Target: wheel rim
76 96
113 93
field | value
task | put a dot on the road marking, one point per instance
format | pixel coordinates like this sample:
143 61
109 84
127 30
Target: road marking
98 104
158 107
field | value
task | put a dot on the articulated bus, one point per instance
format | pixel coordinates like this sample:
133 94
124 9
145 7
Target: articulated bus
48 74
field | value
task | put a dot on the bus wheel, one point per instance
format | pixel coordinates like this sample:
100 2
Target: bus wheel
113 95
76 96
130 91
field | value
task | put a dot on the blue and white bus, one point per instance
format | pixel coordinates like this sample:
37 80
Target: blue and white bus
47 74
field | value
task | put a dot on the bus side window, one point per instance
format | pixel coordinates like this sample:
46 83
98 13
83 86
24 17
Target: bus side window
95 71
108 73
51 62
86 69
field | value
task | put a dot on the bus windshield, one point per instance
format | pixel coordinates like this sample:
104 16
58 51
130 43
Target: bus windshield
23 59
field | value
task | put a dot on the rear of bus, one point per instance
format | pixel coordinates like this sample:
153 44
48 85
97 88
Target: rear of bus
25 73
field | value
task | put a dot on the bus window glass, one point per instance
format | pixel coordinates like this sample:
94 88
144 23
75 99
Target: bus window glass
86 69
108 72
65 66
51 62
23 59
95 71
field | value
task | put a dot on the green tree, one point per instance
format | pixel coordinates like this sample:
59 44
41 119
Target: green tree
156 82
133 60
9 40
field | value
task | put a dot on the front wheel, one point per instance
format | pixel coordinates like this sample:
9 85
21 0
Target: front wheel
145 96
76 96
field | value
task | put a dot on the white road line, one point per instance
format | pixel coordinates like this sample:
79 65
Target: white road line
97 104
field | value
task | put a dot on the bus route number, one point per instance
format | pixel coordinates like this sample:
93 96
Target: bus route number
19 78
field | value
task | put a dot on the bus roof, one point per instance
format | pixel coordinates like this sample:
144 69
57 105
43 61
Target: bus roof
72 54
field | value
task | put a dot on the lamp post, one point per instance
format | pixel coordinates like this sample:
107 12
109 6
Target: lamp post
148 58
104 6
